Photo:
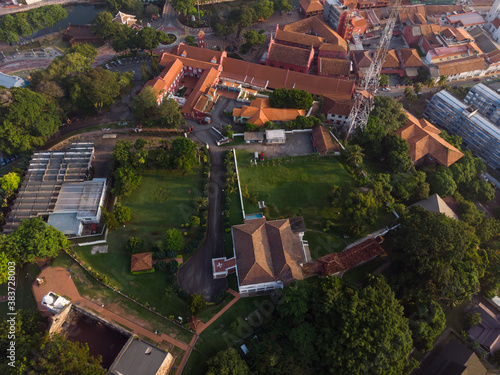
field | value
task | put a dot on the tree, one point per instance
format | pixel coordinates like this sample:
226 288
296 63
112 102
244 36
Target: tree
183 6
194 221
442 80
473 319
109 219
291 98
196 304
253 38
152 9
134 245
128 6
122 213
173 240
486 228
479 190
427 322
27 121
126 181
384 80
439 257
354 155
417 87
146 109
245 16
399 158
305 336
282 5
410 95
9 183
441 182
148 38
183 154
33 239
389 112
97 88
410 186
430 82
227 362
4 268
190 40
360 209
104 26
264 9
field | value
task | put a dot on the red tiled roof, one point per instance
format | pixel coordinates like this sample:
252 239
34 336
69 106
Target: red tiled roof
424 139
317 26
259 112
168 57
334 67
467 64
391 60
267 251
332 264
310 6
496 23
288 54
200 54
206 80
337 107
323 140
275 78
410 57
141 262
363 59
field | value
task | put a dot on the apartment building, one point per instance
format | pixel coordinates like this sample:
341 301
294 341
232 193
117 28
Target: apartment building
479 134
486 100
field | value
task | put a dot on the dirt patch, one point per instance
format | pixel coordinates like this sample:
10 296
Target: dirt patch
102 249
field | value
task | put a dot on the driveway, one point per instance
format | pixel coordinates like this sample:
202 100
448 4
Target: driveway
195 276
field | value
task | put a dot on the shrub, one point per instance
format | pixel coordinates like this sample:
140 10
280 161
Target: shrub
122 213
172 267
134 245
161 265
160 254
173 240
196 304
171 254
109 220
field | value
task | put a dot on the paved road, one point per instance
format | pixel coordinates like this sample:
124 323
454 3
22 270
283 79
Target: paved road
195 276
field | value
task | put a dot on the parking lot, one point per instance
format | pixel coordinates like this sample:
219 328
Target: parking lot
296 144
128 64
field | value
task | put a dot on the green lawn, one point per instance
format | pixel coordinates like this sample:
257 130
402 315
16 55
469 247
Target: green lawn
24 295
298 186
165 199
220 335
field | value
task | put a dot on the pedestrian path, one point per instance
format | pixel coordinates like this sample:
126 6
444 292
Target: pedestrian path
202 326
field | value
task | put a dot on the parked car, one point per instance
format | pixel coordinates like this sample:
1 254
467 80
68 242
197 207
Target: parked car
261 156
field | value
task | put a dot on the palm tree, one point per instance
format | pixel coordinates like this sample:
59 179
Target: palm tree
442 80
355 155
429 83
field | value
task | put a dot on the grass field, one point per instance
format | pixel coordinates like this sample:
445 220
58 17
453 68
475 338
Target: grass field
165 199
24 296
299 186
220 335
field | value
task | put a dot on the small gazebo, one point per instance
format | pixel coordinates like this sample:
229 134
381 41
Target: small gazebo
141 262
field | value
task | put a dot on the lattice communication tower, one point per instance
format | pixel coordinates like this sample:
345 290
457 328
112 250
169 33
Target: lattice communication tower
363 98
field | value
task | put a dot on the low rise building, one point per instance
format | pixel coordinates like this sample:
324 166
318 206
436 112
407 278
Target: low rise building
479 134
268 254
260 111
426 145
11 81
436 204
275 136
309 8
141 262
487 333
465 20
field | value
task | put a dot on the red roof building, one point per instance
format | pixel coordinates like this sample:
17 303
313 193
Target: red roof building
323 140
309 8
289 57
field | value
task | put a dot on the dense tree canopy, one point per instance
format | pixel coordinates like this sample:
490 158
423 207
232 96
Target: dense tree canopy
183 154
9 183
165 115
26 23
37 353
227 362
27 120
325 327
410 186
282 5
33 239
104 26
173 240
427 322
439 257
291 98
135 7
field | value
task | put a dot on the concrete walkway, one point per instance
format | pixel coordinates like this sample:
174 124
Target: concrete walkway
58 280
202 326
